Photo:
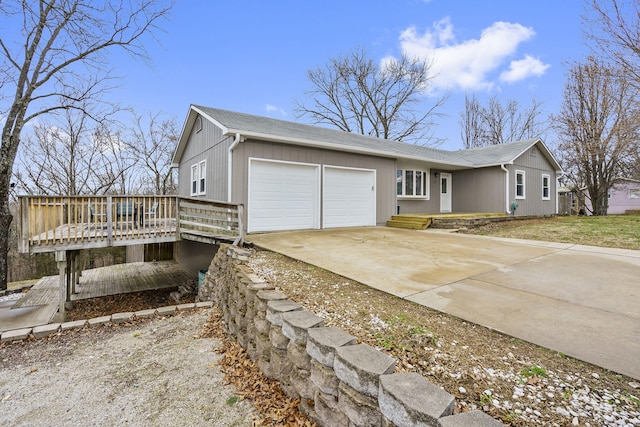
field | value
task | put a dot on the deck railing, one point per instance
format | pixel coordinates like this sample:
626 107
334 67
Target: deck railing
202 219
49 223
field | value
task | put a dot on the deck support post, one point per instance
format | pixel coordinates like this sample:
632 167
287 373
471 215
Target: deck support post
61 261
74 270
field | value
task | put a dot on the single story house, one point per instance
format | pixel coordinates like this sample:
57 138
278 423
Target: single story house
623 196
296 176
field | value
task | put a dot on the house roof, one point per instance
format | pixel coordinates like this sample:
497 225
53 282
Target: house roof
268 129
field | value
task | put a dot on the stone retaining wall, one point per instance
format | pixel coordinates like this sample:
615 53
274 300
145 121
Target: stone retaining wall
453 223
339 382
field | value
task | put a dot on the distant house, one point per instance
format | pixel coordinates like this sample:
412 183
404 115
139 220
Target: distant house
624 196
296 176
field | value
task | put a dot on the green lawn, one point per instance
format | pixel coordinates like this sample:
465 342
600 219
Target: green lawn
619 231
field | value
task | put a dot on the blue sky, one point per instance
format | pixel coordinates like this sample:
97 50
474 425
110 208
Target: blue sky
252 56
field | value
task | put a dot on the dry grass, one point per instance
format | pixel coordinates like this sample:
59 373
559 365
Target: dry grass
620 231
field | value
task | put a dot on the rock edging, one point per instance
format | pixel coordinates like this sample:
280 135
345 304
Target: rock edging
338 381
43 331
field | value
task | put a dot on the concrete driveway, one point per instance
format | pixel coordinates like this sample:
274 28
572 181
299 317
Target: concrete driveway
582 301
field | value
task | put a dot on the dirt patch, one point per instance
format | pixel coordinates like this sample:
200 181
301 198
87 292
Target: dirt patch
96 307
516 382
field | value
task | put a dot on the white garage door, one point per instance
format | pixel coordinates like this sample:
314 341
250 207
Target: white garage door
283 196
349 197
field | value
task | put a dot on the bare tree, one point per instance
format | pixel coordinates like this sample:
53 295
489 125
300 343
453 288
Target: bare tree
57 50
152 140
614 27
597 128
498 123
68 157
388 101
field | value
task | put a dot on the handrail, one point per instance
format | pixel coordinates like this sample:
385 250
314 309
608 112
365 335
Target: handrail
49 223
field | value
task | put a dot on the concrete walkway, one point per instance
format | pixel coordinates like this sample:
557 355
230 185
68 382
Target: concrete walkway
582 301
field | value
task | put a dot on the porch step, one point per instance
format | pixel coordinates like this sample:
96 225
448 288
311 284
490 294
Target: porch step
410 222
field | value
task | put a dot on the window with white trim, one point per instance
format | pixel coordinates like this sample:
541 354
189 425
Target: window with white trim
520 187
199 178
202 166
412 183
546 187
194 180
634 193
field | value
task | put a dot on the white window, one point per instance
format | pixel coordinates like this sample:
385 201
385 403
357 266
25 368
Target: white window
199 178
546 187
202 167
412 183
520 190
194 180
634 193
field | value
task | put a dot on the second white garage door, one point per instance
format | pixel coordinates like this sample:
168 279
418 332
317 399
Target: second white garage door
283 196
348 197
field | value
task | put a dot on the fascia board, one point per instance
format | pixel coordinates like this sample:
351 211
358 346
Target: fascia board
337 147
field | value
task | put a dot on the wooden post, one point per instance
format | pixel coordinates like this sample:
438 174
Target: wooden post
109 221
61 260
23 239
69 282
240 239
75 271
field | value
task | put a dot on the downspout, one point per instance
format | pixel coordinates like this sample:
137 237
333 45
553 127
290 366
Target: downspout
506 182
237 140
558 176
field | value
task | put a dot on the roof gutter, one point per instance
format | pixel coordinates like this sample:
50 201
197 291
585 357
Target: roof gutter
506 186
237 140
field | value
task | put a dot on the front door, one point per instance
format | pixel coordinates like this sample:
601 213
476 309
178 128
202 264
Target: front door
445 192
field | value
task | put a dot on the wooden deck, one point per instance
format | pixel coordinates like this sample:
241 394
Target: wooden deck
112 280
133 277
64 223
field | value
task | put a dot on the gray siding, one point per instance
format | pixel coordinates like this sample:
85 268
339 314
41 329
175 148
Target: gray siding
385 169
432 204
534 164
411 205
479 190
209 144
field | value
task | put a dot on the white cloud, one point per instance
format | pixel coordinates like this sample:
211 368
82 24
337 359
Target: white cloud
469 64
269 108
524 68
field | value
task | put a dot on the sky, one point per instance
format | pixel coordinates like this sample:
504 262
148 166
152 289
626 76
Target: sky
252 56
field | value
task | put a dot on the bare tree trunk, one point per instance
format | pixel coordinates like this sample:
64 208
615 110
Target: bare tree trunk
5 222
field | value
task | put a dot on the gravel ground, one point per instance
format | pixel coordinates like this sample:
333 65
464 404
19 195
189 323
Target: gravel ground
157 372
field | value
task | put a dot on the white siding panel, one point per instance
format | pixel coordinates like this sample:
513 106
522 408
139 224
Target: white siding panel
349 197
283 196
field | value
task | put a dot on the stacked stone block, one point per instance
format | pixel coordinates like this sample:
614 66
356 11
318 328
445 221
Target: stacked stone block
295 326
263 329
359 369
338 381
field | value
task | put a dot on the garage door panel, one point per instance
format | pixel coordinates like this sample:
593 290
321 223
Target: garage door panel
283 196
349 197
